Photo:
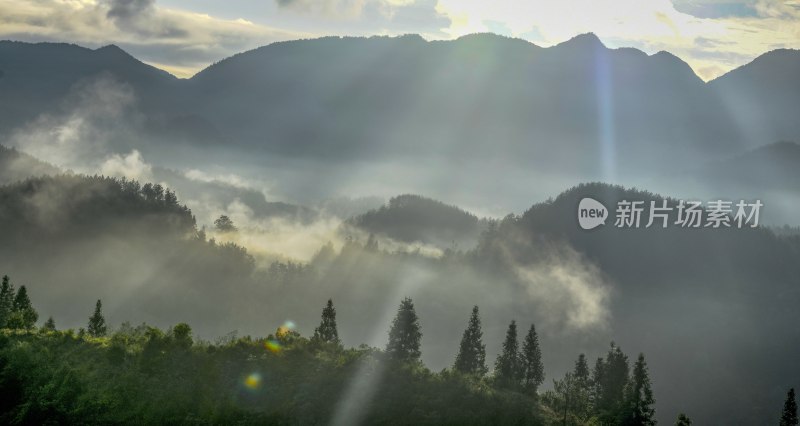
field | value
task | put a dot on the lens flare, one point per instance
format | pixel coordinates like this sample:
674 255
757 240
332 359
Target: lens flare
273 346
285 329
253 381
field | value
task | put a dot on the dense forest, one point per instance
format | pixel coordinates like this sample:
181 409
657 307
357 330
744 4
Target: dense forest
142 374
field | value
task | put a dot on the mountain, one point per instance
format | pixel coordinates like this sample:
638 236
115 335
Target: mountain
758 95
773 167
489 96
15 165
712 308
34 78
481 98
77 236
412 218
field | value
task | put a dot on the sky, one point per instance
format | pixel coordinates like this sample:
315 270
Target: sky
185 36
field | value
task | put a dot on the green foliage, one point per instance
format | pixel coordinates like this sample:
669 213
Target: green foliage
97 323
405 336
22 316
49 325
327 331
789 415
141 375
531 360
507 371
6 301
182 335
471 358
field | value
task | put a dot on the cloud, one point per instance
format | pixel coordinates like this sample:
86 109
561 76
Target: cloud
95 113
184 40
128 9
131 166
343 8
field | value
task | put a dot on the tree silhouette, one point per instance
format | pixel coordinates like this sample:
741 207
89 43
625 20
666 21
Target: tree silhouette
182 334
471 358
327 331
583 383
97 323
49 325
507 367
405 334
23 316
638 408
610 379
683 420
532 369
789 415
565 389
6 301
225 224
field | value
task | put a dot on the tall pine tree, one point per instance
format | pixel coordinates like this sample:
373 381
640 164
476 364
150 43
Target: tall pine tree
583 387
23 316
405 335
638 406
611 377
789 415
6 301
532 369
97 323
471 358
327 331
683 420
507 370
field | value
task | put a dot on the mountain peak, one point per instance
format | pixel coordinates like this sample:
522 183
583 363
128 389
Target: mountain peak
583 41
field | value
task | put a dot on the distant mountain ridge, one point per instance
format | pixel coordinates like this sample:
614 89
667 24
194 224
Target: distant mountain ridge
412 218
490 96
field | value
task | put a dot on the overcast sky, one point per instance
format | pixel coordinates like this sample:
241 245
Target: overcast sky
184 36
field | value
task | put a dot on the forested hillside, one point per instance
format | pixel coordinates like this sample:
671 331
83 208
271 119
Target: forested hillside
412 218
142 374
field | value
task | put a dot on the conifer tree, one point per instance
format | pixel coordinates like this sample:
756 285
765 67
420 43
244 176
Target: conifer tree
596 394
49 325
327 331
6 301
405 335
611 380
789 415
23 316
638 408
97 323
532 369
471 358
507 369
583 386
683 420
581 371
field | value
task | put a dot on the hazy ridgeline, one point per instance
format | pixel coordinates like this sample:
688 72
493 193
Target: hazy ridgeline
485 122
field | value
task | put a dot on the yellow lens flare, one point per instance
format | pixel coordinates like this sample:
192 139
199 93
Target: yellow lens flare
273 346
253 381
